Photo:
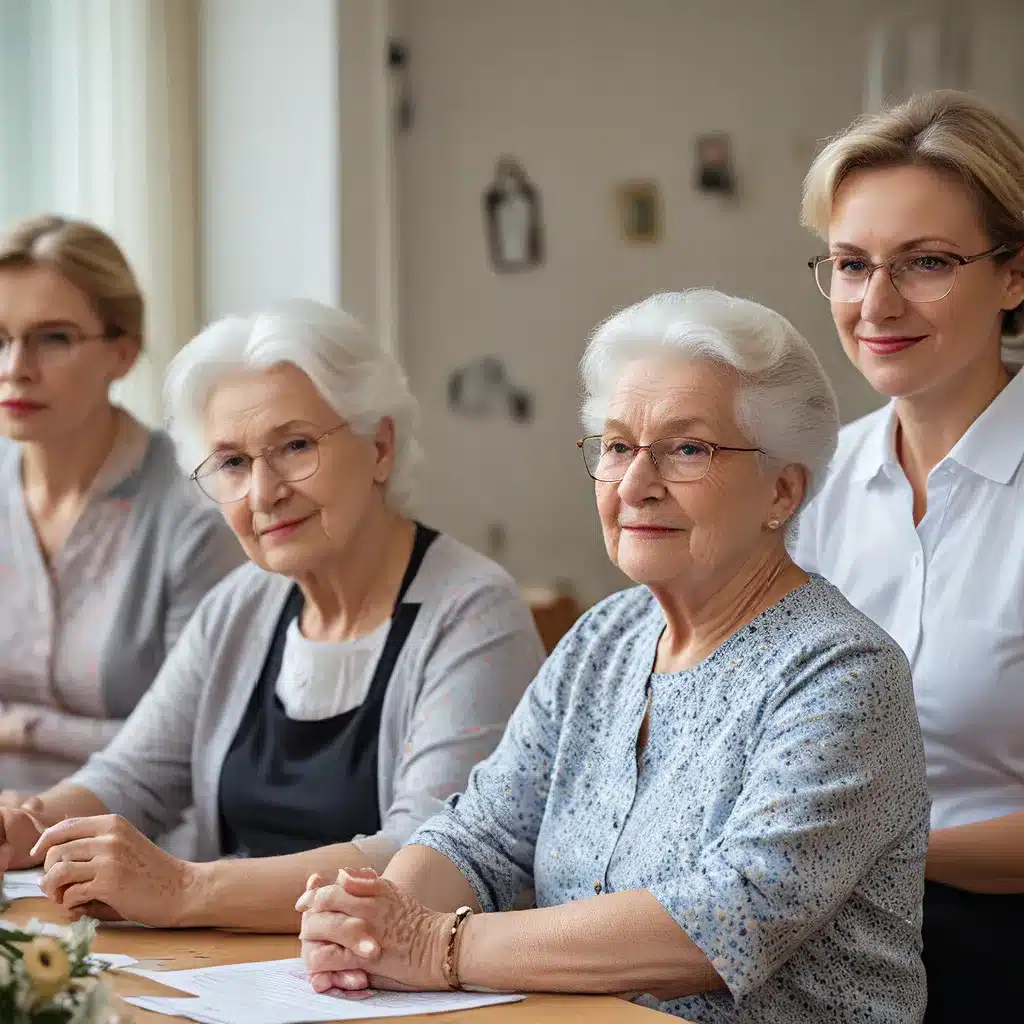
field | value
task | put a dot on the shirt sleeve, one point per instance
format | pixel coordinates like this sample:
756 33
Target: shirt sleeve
840 743
205 552
60 734
145 773
482 659
490 832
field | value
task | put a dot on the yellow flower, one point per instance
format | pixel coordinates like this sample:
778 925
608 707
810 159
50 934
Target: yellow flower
47 966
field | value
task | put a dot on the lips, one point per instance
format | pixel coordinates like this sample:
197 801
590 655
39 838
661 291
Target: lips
649 529
21 405
282 527
890 345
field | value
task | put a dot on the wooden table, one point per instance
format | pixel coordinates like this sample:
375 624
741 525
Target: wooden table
177 950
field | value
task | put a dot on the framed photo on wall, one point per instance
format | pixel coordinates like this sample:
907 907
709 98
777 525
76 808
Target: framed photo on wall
639 210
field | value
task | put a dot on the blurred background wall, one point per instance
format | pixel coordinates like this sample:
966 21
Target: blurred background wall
245 150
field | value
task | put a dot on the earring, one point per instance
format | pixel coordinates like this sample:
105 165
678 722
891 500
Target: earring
773 524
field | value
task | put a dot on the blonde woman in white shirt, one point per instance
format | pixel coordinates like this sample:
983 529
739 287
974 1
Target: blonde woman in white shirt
921 523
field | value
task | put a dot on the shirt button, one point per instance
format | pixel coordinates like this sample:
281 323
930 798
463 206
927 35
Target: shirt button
917 559
597 888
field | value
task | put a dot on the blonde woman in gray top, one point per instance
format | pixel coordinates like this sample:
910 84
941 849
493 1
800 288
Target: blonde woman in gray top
325 699
104 549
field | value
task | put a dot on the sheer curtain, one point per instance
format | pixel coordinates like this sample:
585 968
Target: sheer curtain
98 100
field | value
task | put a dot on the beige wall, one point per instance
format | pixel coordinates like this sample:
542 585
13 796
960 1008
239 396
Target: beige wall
584 93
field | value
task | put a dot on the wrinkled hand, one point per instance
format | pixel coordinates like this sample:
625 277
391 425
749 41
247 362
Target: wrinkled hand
363 932
106 868
19 831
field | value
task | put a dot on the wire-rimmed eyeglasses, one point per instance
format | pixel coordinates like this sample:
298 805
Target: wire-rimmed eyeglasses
226 475
919 275
53 341
678 460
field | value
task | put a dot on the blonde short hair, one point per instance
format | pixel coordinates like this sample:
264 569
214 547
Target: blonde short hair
945 130
89 259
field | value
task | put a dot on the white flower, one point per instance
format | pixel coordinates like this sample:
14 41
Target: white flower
92 1002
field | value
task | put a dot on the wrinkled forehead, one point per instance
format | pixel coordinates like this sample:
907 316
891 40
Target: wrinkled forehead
668 395
253 407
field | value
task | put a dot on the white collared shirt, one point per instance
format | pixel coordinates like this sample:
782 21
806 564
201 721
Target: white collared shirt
950 591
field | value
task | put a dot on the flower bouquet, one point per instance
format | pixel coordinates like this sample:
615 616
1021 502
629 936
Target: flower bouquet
47 975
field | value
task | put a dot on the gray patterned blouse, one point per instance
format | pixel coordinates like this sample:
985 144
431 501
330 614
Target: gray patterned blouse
778 811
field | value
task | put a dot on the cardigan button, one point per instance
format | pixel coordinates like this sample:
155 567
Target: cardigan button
597 888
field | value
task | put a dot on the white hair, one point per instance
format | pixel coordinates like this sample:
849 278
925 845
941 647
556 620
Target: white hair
359 380
785 403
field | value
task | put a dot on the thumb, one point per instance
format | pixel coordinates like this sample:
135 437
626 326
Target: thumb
360 881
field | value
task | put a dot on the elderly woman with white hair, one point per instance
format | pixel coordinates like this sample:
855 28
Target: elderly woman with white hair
325 698
715 786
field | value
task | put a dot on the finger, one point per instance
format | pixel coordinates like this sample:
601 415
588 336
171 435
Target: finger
366 872
65 831
65 873
33 803
77 849
325 957
363 885
352 933
95 909
10 798
6 853
344 980
77 895
315 881
332 899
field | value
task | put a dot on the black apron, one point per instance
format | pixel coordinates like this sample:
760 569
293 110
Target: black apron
288 786
973 953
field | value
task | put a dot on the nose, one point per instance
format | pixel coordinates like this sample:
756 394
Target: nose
17 361
642 481
266 488
881 299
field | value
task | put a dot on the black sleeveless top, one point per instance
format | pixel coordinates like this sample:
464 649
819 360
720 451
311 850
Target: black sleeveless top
288 786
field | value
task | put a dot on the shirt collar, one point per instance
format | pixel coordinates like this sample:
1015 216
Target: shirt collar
126 456
992 447
878 452
994 443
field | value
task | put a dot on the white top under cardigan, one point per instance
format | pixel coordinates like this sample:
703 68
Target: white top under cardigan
950 591
471 653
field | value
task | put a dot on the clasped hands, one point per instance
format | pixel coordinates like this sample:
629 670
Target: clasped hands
361 932
100 866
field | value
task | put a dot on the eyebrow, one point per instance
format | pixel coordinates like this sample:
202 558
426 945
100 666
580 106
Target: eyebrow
282 428
914 243
673 428
49 324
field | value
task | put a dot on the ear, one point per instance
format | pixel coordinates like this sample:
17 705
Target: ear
1014 293
384 443
126 348
790 488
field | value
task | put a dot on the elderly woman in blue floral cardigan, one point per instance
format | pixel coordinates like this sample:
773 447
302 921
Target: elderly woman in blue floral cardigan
715 786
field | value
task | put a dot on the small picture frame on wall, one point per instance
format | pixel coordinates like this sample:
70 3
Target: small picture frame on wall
639 209
714 164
